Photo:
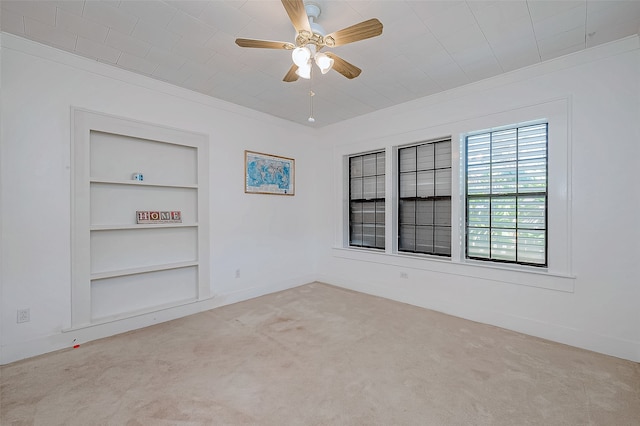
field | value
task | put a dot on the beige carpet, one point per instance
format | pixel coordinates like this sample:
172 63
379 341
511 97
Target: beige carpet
320 355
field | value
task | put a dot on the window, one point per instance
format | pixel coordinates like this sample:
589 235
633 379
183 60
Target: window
424 223
366 200
506 195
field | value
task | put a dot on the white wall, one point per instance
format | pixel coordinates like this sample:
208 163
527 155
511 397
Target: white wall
268 238
590 296
279 242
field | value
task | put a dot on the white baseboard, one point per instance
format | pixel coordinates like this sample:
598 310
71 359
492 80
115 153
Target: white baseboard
66 339
607 345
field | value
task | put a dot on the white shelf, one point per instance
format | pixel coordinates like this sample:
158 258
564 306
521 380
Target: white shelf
142 226
142 270
138 183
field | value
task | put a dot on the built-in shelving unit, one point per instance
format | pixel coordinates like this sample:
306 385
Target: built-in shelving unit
122 267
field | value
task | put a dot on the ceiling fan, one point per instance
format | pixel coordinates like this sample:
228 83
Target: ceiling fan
311 38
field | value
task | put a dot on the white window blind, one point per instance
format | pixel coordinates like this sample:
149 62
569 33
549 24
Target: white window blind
506 195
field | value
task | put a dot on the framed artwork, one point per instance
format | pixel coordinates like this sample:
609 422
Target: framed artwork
268 174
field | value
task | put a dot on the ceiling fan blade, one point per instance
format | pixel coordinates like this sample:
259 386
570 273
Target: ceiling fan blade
297 14
343 67
357 32
264 44
291 74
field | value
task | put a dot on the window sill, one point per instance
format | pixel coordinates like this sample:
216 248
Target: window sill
519 275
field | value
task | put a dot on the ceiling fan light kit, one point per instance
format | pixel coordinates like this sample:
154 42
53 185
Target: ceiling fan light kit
311 38
323 62
304 71
302 57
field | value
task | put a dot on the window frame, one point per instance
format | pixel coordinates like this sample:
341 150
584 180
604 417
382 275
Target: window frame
362 201
558 275
516 194
399 172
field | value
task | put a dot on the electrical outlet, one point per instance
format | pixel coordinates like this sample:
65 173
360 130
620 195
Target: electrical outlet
23 315
237 273
404 275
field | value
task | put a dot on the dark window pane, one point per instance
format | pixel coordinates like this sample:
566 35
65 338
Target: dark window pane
425 183
443 212
407 238
424 239
369 235
356 189
380 236
424 214
407 185
442 240
355 167
366 218
369 187
380 163
355 212
425 157
443 182
369 212
420 188
407 158
407 211
380 192
356 234
380 213
443 155
369 165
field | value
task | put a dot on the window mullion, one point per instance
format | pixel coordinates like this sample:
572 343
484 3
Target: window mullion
415 202
517 186
490 196
433 203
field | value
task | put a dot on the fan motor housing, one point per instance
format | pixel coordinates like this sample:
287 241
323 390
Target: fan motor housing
313 9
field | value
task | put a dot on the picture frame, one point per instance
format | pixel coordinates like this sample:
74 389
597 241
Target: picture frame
268 174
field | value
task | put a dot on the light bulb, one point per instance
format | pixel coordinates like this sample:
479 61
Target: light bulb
301 55
304 71
324 62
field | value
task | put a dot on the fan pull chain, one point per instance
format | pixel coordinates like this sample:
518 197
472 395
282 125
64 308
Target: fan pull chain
311 95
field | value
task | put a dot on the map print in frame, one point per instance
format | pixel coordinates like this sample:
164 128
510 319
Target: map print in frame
268 174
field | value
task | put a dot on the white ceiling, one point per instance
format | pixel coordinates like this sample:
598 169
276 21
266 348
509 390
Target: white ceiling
426 46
